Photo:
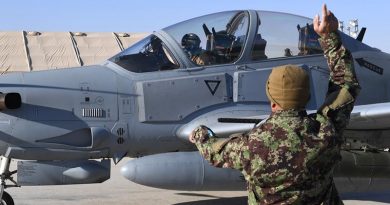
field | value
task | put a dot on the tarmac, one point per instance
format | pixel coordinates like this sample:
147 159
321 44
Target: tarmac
119 190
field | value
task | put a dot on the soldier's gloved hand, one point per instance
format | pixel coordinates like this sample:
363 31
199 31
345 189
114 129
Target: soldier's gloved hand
327 25
201 134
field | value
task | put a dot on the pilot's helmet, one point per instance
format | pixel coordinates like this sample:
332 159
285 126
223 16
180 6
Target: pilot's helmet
190 42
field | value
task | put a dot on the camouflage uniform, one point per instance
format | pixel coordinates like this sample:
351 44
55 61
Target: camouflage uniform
289 159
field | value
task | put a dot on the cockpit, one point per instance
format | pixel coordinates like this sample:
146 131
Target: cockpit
147 55
285 36
222 38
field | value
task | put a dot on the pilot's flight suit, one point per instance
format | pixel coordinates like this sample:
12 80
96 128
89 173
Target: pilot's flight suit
289 159
204 59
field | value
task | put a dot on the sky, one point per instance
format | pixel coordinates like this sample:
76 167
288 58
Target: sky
148 16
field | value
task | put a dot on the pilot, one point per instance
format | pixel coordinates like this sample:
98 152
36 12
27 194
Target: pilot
289 158
159 55
287 52
191 46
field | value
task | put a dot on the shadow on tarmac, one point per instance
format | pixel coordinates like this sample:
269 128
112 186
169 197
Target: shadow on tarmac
196 194
373 197
382 197
220 201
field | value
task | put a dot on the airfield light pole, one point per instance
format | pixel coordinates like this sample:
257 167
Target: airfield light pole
355 27
352 29
341 26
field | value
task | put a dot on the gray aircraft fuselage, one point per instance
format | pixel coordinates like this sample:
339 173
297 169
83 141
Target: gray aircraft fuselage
148 99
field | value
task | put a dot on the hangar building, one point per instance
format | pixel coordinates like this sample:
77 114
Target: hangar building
33 51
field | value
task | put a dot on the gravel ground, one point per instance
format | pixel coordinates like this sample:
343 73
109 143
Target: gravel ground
118 190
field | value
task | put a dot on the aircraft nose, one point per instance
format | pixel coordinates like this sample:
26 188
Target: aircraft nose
129 170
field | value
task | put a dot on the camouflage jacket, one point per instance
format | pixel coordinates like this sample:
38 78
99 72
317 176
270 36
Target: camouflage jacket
289 159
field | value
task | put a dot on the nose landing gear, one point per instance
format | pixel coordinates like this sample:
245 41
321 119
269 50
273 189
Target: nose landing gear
6 199
5 174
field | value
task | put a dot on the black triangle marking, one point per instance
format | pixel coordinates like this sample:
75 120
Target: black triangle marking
212 85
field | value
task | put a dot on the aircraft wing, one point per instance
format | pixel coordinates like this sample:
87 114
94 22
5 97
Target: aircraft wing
370 117
363 118
222 126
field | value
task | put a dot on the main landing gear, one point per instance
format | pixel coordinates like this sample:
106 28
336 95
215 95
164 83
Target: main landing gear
5 174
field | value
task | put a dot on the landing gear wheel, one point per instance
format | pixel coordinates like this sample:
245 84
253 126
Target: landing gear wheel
6 199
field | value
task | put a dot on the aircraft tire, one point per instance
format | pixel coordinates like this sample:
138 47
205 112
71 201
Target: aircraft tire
7 199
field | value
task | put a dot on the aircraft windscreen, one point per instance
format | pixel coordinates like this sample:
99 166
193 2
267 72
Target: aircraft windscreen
147 55
212 39
284 35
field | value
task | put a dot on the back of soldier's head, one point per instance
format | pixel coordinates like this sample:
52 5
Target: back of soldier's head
288 86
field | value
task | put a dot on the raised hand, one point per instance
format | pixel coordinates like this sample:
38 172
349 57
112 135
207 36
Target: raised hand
328 24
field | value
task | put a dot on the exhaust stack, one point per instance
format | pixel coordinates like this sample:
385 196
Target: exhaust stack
10 101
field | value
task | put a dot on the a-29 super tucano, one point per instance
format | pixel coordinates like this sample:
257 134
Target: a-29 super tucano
64 126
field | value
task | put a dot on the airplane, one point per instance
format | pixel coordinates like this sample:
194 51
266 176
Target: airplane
65 126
